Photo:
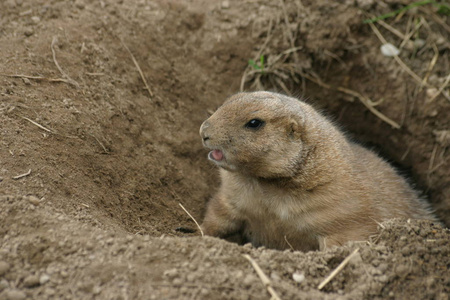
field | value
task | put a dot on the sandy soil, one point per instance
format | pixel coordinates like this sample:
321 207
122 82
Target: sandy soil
94 164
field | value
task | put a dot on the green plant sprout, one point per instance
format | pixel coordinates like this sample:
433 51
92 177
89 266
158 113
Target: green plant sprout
442 9
255 66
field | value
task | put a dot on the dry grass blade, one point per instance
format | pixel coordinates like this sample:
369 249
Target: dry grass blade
436 18
36 78
431 65
364 100
37 124
201 231
139 69
265 280
441 89
338 269
22 175
409 35
69 80
392 29
289 244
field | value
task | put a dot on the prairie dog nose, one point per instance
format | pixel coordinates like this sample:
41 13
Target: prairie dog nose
203 128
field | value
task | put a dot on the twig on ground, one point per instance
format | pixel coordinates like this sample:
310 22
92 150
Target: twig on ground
38 125
22 175
265 280
139 69
201 231
339 268
69 80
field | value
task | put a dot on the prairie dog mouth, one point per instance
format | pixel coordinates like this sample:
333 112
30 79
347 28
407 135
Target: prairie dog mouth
216 155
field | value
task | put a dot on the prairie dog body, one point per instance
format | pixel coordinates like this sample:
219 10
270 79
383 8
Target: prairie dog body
289 177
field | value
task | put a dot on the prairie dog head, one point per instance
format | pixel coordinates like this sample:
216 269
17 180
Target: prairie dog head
258 133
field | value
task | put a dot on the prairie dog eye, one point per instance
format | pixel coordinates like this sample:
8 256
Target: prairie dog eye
255 124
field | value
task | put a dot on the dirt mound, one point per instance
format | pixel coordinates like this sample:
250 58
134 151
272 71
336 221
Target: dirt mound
94 164
46 254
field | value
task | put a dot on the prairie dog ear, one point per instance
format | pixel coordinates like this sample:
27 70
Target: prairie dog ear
294 129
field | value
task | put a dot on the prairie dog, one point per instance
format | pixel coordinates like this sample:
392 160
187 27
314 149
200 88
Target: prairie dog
289 177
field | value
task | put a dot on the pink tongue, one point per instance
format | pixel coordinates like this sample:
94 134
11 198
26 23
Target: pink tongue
217 155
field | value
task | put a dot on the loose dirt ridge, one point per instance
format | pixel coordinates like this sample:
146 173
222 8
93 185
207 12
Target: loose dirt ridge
100 105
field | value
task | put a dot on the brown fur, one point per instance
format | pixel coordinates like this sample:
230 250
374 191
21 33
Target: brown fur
297 180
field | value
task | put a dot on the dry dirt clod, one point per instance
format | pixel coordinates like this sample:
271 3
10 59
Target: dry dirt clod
11 3
4 267
15 295
31 281
80 4
3 284
28 31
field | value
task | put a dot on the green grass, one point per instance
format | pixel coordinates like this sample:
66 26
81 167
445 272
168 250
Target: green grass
255 66
442 9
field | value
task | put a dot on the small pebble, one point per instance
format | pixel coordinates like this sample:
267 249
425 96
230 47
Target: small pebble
35 19
44 279
97 290
298 277
204 291
389 50
275 277
225 4
50 292
419 43
171 273
402 270
383 267
4 267
33 200
248 280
